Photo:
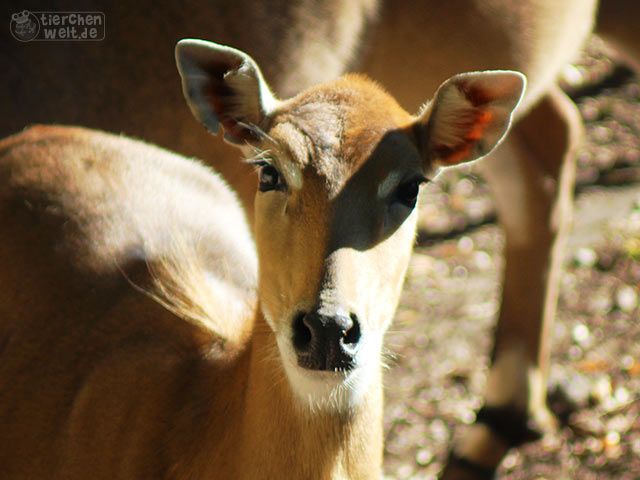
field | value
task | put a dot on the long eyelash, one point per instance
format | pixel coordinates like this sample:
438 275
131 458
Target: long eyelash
258 163
260 159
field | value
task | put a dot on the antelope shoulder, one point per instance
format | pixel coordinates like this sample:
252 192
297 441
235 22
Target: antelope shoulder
115 278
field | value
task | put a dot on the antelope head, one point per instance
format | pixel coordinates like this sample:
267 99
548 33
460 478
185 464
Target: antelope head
340 167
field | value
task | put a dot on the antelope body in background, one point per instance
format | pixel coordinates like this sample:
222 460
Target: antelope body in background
127 83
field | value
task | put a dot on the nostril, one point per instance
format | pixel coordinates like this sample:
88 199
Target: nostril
352 336
301 333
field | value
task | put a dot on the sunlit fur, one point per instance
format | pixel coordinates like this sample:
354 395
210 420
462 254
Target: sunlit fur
304 266
130 295
409 47
338 240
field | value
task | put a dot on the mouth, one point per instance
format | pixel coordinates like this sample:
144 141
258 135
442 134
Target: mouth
330 364
326 390
338 389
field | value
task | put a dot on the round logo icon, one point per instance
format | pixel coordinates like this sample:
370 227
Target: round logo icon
24 26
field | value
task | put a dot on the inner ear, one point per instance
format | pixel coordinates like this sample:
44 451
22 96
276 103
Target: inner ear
469 116
224 87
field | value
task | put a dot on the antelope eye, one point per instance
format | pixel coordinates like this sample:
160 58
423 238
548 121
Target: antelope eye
270 179
407 193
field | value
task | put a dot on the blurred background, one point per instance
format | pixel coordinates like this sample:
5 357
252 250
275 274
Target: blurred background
439 345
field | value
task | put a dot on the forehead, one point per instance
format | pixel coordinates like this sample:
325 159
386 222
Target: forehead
333 130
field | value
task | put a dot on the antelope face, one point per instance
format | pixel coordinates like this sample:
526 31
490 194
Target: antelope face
340 166
335 221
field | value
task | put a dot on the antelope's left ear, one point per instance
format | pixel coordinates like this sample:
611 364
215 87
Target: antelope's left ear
468 117
224 87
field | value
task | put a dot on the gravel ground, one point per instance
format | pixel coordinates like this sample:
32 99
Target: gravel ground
438 347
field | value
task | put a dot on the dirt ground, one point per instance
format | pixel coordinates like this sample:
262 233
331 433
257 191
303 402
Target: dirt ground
439 344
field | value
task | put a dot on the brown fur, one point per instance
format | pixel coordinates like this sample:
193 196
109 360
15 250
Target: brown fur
106 383
91 366
409 48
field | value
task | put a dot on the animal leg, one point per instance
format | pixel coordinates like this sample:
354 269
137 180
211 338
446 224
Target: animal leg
532 177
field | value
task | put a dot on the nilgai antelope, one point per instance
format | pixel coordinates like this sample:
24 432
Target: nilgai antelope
131 346
127 83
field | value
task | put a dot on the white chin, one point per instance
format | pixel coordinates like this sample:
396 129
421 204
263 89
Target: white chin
322 390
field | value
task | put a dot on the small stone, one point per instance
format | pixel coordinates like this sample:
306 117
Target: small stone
482 260
578 448
590 110
574 352
611 439
421 341
601 134
594 444
460 272
600 304
424 457
632 247
622 395
572 75
467 416
635 446
627 362
405 471
463 188
614 452
605 158
581 334
511 461
441 268
626 298
586 257
551 442
601 390
439 430
632 90
609 404
578 389
620 423
465 245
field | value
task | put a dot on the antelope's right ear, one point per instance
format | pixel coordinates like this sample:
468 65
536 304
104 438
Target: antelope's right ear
224 87
469 116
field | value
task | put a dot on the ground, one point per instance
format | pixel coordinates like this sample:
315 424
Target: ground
438 347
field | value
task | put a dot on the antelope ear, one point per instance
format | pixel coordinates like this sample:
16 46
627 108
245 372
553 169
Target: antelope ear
469 116
224 86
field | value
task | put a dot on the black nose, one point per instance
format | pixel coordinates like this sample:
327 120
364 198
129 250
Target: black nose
326 342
